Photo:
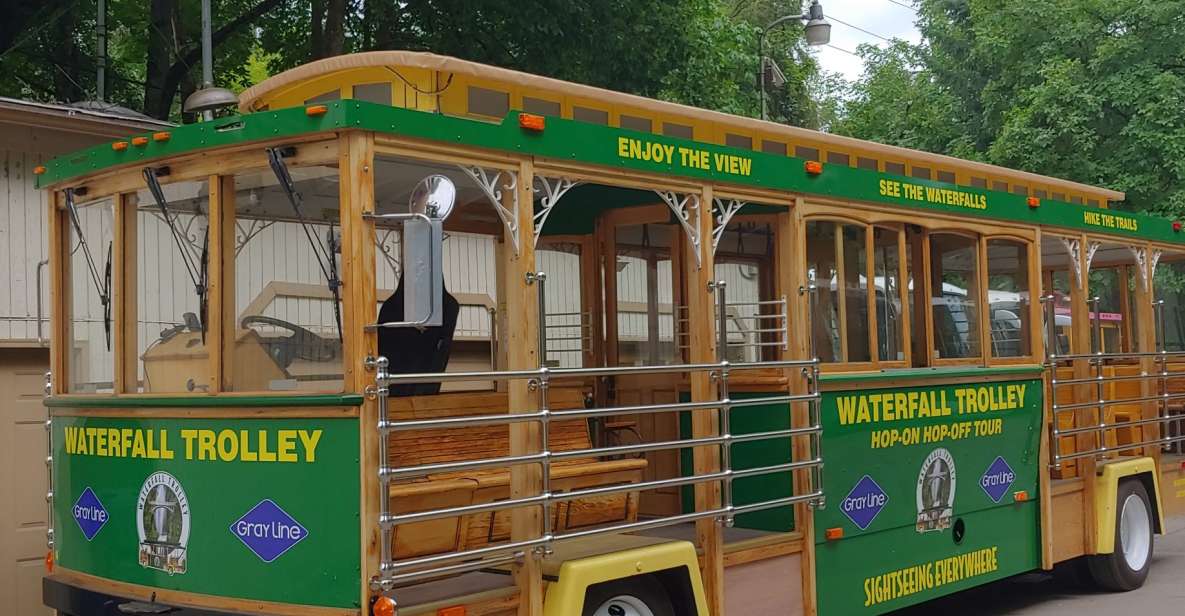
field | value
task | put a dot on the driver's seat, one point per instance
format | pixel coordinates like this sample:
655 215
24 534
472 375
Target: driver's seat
411 350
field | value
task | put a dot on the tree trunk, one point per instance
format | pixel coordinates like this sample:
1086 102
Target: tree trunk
335 32
156 73
317 30
67 58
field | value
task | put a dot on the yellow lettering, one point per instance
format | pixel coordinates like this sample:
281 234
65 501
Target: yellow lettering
228 445
310 439
287 444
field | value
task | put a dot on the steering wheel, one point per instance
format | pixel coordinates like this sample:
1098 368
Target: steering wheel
302 343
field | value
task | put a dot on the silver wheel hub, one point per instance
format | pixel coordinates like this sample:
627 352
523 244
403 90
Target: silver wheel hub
624 605
1135 532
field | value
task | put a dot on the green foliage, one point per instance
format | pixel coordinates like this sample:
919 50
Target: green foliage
1087 90
698 52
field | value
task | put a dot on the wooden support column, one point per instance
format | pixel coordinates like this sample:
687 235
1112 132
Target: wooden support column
124 305
1080 343
220 299
520 338
1144 313
59 293
1039 286
356 164
790 257
702 340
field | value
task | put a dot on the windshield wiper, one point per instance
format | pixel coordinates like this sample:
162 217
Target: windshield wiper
197 271
102 288
325 258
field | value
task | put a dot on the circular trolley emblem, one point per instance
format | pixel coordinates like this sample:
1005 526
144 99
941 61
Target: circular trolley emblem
936 491
162 522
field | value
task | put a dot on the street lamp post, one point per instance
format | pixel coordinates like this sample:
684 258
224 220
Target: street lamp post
817 31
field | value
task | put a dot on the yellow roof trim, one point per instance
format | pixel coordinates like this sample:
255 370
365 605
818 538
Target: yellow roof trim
445 64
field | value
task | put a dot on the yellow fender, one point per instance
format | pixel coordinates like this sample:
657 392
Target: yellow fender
1106 487
565 596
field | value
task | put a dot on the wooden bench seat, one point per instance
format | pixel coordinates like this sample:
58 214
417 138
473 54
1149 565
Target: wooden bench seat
458 488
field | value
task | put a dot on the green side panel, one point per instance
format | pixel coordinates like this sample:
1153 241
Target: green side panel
569 140
122 461
931 525
748 490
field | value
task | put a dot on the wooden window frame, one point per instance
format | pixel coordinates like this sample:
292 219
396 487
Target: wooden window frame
869 271
981 298
1034 279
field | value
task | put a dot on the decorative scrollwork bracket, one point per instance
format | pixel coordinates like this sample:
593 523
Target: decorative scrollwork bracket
553 189
724 210
687 211
493 183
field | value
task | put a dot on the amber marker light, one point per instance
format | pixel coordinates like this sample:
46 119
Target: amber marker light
139 141
49 561
456 610
316 110
119 146
1021 496
39 169
813 167
161 136
530 121
833 534
1034 202
383 606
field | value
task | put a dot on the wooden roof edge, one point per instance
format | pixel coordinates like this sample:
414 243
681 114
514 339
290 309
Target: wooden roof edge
448 64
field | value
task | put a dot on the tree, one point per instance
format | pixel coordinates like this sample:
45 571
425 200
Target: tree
1087 90
700 52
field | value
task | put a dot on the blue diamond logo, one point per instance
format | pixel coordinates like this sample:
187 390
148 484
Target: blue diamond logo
90 514
864 502
268 530
997 479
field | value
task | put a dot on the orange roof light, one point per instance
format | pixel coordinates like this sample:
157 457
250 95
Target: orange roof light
119 146
383 606
813 167
530 121
1034 202
833 534
39 169
139 141
161 136
1021 496
316 110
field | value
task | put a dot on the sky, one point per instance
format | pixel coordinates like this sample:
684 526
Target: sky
880 17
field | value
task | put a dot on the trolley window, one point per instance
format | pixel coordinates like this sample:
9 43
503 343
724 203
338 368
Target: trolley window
954 295
90 235
1008 298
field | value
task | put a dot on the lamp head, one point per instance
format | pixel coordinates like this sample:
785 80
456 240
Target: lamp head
434 196
817 30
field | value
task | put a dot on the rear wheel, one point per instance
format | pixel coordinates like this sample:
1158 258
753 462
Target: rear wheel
1127 566
642 595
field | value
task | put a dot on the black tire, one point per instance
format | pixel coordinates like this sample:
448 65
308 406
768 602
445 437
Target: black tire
1120 570
647 590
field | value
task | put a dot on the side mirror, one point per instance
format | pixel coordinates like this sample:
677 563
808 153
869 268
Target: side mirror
423 246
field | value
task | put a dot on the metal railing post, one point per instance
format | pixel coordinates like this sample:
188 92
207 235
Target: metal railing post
814 408
49 495
1050 309
379 391
720 287
539 279
1162 409
1100 435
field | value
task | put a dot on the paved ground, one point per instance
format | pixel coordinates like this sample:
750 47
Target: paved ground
1163 593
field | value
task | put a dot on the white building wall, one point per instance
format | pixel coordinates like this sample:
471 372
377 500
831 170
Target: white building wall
23 228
